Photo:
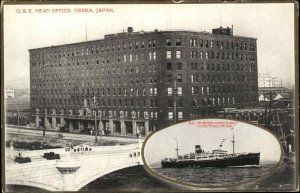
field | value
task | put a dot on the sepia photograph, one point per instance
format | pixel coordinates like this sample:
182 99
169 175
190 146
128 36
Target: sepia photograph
88 86
212 152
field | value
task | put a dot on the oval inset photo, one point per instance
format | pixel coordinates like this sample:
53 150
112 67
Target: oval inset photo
211 153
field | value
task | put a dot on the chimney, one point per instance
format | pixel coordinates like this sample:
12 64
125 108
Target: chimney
130 29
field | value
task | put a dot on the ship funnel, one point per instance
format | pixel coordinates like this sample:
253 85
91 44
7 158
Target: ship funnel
198 149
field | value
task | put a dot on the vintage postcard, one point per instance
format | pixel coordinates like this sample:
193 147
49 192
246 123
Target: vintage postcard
180 96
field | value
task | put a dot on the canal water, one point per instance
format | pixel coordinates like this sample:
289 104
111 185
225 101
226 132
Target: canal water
215 176
129 179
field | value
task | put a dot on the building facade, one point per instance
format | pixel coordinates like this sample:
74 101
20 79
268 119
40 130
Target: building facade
267 80
137 82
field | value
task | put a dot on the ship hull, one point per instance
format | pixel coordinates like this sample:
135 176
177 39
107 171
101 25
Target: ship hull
239 160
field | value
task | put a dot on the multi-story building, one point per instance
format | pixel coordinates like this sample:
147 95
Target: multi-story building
267 80
136 82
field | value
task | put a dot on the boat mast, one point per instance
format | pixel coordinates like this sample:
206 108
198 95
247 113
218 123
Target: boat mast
233 141
176 148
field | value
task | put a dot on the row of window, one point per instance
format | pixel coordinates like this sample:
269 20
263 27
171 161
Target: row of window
151 56
212 78
114 81
108 92
212 55
95 49
213 67
110 113
142 92
92 50
194 78
193 42
204 102
152 103
179 116
93 71
195 90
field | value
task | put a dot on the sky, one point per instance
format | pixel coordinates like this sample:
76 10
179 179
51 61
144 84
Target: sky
271 24
248 138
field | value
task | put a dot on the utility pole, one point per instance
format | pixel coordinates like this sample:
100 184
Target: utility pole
18 121
96 130
176 148
233 141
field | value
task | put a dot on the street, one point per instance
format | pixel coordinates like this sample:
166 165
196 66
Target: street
69 136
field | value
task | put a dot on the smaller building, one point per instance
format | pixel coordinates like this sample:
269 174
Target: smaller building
17 106
267 80
9 93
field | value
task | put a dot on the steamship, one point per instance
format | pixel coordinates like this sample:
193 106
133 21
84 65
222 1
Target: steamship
216 158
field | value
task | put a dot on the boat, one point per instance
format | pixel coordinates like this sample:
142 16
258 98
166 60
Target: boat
216 158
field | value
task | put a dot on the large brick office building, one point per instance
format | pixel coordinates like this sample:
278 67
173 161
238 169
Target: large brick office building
142 80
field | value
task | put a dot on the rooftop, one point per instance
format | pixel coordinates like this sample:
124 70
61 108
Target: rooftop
131 33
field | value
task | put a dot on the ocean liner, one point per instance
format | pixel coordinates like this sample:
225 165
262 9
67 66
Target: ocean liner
216 158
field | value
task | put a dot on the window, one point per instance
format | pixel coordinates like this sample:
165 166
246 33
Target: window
194 77
151 91
179 90
194 66
170 91
180 115
154 55
136 45
169 54
195 90
180 103
155 91
150 43
178 54
143 44
169 66
124 58
170 115
130 57
130 45
131 91
179 77
169 78
206 43
193 42
168 42
178 42
170 103
179 66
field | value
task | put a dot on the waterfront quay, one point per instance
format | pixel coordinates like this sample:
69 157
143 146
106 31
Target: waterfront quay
29 131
